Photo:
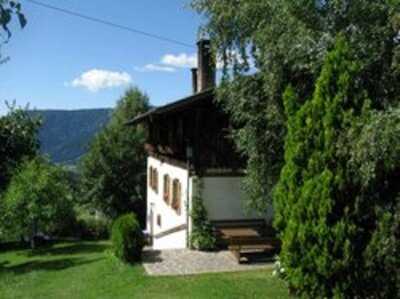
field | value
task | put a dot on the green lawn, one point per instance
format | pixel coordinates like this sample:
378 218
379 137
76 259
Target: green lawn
85 270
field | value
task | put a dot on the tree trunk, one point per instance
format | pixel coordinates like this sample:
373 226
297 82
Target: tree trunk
33 235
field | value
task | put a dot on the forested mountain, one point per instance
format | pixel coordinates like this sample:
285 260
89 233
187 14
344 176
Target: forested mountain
64 135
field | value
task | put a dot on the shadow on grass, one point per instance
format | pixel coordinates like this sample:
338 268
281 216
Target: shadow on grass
69 248
40 265
13 246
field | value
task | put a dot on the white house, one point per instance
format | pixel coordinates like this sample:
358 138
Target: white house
187 142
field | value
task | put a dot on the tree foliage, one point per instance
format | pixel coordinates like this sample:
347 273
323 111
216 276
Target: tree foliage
18 141
372 148
36 199
287 41
8 10
114 169
333 177
330 213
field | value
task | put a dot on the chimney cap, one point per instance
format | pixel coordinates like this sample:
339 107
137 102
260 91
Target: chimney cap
203 41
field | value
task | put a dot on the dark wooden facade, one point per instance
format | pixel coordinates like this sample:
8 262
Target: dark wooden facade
194 127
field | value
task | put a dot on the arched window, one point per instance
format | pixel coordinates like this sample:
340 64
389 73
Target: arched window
167 189
176 196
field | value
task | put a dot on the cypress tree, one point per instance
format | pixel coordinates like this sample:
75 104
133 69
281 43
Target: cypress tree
315 207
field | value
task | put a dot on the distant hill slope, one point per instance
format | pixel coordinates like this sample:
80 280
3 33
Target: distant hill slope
65 135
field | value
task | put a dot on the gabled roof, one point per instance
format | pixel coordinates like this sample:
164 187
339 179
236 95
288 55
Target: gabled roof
174 106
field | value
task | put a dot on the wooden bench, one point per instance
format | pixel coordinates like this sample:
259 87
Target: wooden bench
226 229
246 237
244 247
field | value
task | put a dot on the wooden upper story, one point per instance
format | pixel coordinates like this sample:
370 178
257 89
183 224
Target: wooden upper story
193 130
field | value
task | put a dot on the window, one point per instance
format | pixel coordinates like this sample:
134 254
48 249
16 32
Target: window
176 196
167 189
159 220
153 181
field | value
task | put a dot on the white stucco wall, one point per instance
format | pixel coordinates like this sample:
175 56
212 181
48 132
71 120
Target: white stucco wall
224 197
169 218
173 241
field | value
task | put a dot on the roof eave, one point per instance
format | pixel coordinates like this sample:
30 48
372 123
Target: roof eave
171 106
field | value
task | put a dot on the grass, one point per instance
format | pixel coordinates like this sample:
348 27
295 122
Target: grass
85 270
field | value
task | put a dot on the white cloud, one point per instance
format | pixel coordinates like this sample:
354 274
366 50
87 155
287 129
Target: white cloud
182 60
155 68
185 60
171 62
97 79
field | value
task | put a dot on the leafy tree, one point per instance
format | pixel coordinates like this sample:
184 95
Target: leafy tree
336 201
287 42
372 148
37 198
18 140
114 170
327 212
8 9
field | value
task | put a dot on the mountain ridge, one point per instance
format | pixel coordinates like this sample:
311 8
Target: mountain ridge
65 134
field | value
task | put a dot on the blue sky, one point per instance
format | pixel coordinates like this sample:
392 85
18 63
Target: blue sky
62 62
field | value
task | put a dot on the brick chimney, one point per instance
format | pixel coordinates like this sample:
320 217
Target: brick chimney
194 79
205 66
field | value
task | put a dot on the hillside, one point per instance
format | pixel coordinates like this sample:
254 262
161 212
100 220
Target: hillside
65 134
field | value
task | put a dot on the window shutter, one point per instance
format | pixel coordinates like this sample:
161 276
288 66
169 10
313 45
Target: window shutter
179 199
156 180
167 188
176 196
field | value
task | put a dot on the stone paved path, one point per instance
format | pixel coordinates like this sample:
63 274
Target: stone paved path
184 262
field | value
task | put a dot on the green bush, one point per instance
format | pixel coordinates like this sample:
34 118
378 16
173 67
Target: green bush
127 238
202 236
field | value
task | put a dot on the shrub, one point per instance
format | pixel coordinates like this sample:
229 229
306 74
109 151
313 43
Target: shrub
202 236
127 238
